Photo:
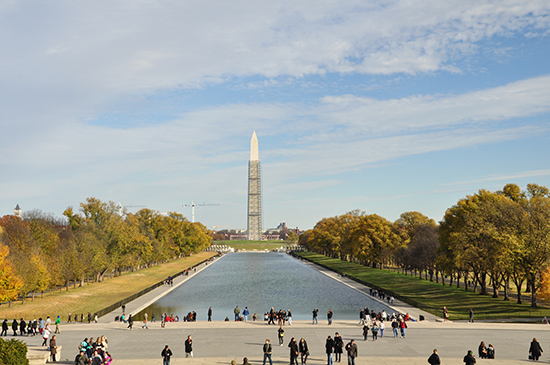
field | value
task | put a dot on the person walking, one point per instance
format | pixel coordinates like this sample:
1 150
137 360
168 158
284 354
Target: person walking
329 346
365 331
5 328
293 345
281 335
53 348
394 327
329 316
351 348
315 315
166 354
22 327
374 331
535 350
130 322
145 321
304 350
237 312
382 326
189 347
14 326
210 314
471 315
434 358
246 312
338 347
403 327
267 351
46 335
469 359
445 314
57 323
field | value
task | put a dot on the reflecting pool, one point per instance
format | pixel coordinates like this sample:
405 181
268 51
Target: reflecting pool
260 281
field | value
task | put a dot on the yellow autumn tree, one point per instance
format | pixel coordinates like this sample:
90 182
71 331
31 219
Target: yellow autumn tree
544 291
10 283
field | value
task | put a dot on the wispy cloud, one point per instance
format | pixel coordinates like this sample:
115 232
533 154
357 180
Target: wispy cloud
214 71
510 178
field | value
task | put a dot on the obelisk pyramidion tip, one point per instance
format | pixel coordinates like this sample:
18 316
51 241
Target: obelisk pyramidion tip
254 155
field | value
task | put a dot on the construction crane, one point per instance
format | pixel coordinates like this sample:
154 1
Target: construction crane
193 205
120 207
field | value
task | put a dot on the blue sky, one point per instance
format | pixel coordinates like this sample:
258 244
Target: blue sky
382 106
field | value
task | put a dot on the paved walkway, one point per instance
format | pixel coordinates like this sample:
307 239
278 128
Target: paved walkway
220 342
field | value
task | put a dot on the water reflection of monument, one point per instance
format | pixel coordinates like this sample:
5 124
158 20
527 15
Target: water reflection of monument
254 225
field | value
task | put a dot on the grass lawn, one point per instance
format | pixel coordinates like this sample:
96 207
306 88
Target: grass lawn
96 296
252 245
430 296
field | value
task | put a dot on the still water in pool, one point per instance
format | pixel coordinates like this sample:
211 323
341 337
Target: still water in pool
260 281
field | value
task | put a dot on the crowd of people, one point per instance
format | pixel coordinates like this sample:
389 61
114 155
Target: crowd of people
93 352
30 328
299 349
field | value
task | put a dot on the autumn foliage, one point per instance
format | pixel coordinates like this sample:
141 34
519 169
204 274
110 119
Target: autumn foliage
98 240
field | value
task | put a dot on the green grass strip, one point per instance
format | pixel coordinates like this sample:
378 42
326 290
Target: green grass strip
430 296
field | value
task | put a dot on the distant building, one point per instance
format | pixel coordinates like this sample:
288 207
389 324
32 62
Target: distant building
17 211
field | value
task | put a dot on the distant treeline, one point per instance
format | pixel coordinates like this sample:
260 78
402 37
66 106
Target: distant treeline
39 251
490 238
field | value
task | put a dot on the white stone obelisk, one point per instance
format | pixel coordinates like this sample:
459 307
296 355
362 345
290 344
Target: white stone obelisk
254 225
254 154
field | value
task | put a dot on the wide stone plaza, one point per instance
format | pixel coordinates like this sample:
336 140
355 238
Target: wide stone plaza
219 342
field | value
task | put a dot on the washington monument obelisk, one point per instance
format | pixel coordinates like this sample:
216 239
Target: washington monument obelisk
254 225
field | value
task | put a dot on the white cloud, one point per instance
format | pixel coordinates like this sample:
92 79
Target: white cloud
64 65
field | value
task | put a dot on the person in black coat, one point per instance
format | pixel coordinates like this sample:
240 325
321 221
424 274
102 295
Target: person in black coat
535 350
189 347
338 347
490 352
23 327
304 351
14 326
5 328
329 345
434 358
469 359
293 345
166 354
